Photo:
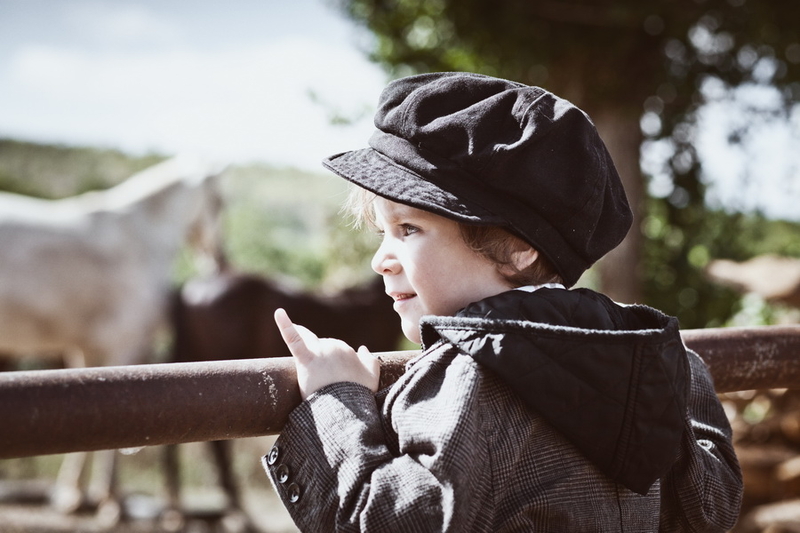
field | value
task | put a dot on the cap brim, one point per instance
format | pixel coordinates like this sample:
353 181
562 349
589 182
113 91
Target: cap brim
375 172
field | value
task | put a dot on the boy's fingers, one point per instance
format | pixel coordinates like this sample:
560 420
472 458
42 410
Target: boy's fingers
364 351
291 335
372 363
281 317
368 356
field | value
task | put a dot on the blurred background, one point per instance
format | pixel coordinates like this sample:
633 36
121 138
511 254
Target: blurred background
697 101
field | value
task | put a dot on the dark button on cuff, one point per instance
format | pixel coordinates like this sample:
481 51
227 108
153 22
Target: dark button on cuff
274 453
283 474
293 492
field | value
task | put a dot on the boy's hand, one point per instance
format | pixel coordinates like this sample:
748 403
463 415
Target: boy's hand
320 362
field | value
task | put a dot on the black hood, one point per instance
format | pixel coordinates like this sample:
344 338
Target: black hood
612 379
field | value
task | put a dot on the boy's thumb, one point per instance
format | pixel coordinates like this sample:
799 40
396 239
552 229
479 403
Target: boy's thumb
372 363
363 350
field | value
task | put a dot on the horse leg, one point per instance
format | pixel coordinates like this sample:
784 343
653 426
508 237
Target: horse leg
222 458
172 519
103 488
172 476
74 357
236 518
66 495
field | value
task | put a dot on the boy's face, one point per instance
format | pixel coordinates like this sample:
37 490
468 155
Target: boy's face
427 267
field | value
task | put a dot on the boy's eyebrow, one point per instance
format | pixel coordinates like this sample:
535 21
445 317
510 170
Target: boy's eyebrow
399 210
395 211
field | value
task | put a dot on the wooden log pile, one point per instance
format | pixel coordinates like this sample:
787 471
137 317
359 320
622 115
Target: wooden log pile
766 423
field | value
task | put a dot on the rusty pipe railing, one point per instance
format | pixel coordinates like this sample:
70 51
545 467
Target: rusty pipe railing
766 357
57 411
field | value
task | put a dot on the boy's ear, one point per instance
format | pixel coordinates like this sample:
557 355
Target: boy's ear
522 259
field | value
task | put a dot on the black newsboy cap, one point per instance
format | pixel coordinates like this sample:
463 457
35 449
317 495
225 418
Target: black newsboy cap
482 150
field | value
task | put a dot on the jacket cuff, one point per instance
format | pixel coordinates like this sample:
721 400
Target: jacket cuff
321 435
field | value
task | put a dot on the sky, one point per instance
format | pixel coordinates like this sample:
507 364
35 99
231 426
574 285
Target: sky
243 80
764 172
259 80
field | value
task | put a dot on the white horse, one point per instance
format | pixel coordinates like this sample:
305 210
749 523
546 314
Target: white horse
90 276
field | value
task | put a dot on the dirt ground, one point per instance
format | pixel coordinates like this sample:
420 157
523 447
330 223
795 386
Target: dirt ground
39 518
26 483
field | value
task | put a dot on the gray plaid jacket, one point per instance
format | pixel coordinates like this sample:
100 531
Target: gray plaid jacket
452 447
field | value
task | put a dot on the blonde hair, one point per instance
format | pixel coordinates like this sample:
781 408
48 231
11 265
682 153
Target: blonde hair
496 244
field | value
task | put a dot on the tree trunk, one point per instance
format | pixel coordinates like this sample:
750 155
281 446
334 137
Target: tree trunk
619 271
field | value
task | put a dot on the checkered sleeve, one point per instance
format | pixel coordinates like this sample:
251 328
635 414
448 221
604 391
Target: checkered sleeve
703 490
340 465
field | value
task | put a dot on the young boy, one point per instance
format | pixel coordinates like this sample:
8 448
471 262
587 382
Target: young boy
532 407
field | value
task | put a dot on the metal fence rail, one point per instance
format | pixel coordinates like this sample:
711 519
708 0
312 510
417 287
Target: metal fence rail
58 411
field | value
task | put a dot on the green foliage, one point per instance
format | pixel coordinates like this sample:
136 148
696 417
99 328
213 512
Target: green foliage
598 52
57 171
681 243
631 57
287 221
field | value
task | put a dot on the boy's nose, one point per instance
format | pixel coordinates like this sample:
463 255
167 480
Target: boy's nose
384 263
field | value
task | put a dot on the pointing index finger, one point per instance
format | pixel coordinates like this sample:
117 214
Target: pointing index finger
290 334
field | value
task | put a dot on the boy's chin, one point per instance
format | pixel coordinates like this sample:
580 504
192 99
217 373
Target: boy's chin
411 331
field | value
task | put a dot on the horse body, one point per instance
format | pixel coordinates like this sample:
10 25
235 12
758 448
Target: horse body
89 277
230 316
92 272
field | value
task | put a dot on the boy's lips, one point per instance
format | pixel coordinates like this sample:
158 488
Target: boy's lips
400 297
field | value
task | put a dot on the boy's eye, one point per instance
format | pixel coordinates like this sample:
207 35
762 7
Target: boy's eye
403 230
408 229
